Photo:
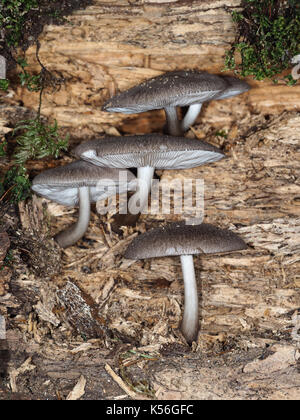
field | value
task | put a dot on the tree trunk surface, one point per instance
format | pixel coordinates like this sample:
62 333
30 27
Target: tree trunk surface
114 45
87 323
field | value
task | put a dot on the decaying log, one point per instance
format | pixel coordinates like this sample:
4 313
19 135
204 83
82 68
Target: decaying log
249 341
113 45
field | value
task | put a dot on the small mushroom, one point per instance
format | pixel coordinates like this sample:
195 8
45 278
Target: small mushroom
185 241
80 183
147 153
167 91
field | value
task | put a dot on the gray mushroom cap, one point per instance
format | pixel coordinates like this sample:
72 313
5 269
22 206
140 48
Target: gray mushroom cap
180 239
235 86
177 88
154 150
61 184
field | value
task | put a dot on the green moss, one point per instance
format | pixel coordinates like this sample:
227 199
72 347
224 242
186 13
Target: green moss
8 260
3 145
15 184
221 133
13 14
268 38
4 83
37 141
21 21
32 82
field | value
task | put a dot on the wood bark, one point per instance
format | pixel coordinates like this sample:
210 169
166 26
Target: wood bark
116 44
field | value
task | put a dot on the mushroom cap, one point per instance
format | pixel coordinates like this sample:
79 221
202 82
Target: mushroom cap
154 150
61 184
235 86
177 88
182 239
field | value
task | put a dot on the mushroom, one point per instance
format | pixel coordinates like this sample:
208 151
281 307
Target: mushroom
178 88
235 87
147 152
80 183
185 241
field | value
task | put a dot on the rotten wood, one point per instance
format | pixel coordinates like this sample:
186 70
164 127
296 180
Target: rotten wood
248 346
111 46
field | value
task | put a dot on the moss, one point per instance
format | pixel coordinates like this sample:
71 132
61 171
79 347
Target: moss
38 140
268 37
21 22
16 184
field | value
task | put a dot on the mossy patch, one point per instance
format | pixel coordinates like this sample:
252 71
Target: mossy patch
268 37
21 22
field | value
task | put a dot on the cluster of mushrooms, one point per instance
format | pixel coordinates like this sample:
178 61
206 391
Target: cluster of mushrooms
100 162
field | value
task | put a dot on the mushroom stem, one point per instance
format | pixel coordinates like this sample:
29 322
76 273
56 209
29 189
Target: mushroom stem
190 322
174 127
76 231
139 200
191 116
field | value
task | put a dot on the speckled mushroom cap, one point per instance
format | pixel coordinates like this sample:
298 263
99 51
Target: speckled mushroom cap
61 184
154 150
181 239
177 88
235 87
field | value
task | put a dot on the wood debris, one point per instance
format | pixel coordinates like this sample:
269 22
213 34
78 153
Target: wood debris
281 357
27 366
4 245
120 382
3 127
78 390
